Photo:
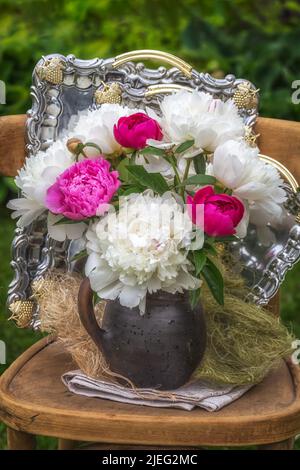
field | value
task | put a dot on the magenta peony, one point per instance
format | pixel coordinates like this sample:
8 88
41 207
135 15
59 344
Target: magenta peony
221 212
134 131
83 190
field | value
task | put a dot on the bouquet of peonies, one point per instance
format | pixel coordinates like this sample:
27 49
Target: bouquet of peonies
151 194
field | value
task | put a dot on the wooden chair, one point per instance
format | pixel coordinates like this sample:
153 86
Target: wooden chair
33 401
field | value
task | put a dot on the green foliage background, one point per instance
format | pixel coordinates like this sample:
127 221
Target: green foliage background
258 40
254 39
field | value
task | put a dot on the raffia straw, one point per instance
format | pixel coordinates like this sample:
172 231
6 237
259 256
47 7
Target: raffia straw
245 341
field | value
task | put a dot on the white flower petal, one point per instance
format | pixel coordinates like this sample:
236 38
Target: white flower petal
242 227
142 305
131 296
142 248
60 232
97 126
27 209
238 167
197 115
110 292
75 230
102 277
227 168
22 204
29 216
93 261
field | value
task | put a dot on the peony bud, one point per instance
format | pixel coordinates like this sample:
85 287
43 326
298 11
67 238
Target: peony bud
73 145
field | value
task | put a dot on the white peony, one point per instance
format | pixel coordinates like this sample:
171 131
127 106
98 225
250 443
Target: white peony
155 164
41 170
142 248
238 167
59 232
35 177
197 115
97 126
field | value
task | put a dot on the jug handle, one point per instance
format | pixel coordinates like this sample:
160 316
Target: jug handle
87 313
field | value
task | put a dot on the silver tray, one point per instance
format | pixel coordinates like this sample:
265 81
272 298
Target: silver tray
62 86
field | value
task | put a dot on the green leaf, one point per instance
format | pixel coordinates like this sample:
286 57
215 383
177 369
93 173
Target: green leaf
199 259
65 220
214 280
154 181
122 169
199 179
210 249
184 146
132 158
230 238
81 254
209 246
132 189
150 150
199 164
210 240
194 296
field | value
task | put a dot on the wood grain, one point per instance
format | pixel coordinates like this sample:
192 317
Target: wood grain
283 445
67 444
18 440
281 140
12 149
34 400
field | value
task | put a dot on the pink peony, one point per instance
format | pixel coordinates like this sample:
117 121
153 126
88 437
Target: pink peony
222 213
134 131
83 190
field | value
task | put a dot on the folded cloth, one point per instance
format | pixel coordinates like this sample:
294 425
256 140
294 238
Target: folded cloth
194 394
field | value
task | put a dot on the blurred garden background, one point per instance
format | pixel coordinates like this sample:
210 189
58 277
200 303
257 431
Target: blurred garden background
257 40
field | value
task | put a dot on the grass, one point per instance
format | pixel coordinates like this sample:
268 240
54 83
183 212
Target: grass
18 340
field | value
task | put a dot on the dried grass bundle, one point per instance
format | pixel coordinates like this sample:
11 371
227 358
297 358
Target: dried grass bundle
58 312
244 342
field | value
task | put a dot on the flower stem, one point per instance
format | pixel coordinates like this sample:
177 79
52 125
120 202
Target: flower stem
186 174
187 169
173 163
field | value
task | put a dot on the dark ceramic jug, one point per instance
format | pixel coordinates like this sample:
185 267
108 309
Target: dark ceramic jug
161 348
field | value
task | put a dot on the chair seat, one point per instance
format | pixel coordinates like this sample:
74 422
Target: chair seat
34 400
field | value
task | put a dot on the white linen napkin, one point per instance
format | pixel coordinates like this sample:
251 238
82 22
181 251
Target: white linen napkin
194 394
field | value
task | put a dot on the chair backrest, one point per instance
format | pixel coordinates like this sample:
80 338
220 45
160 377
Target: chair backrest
278 138
12 144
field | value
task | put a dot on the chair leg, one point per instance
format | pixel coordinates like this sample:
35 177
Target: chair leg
67 444
282 445
18 440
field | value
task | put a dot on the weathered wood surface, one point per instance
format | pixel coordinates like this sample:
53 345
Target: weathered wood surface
280 139
18 440
12 149
34 400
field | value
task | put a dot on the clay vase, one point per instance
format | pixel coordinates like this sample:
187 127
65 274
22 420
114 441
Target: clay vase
160 349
